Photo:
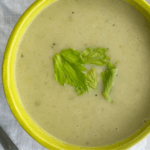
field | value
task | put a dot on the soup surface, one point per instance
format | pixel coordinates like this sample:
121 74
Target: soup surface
87 120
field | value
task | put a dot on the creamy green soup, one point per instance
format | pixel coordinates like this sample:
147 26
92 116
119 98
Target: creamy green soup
87 120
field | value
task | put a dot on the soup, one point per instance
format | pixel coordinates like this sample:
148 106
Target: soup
86 120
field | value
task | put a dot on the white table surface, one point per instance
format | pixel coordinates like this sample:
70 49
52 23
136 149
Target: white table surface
10 11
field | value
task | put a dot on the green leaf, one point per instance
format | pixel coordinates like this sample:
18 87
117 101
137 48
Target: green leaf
111 66
69 69
108 80
68 66
72 56
96 56
58 67
91 79
75 77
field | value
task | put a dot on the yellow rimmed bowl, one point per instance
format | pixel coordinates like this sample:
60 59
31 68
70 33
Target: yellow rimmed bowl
15 103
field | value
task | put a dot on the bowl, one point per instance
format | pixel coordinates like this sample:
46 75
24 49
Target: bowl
14 101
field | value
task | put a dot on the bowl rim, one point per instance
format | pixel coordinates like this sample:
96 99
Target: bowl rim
10 90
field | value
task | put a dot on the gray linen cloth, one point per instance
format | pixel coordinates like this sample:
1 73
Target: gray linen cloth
10 11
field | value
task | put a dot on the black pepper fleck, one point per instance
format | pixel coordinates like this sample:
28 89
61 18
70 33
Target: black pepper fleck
54 43
72 12
95 94
113 24
22 56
